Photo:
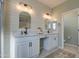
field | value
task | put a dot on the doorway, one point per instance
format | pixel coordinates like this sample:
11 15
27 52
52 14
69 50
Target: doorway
70 30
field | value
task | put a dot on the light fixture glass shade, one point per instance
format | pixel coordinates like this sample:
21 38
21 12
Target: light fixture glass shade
25 7
47 16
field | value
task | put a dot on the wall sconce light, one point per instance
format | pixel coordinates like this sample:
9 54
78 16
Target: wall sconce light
47 16
25 7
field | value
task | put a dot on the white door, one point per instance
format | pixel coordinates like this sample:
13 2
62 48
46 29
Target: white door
51 42
55 41
34 46
22 50
27 47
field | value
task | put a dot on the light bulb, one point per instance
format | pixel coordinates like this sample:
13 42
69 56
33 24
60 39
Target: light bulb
47 16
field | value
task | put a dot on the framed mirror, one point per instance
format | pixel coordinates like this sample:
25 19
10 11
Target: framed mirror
24 20
50 25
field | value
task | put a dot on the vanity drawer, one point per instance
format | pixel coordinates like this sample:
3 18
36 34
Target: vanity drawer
22 39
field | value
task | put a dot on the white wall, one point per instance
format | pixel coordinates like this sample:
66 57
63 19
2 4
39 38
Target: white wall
6 29
36 20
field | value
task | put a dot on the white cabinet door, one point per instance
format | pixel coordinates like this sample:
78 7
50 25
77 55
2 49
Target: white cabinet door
48 42
51 42
22 50
55 41
34 46
27 47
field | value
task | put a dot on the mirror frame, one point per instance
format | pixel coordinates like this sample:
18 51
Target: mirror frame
23 22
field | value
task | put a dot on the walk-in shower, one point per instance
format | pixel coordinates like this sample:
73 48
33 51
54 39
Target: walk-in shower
70 28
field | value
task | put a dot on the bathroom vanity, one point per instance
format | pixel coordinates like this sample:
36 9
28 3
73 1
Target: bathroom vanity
29 45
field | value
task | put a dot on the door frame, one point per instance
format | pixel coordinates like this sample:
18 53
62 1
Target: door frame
62 24
2 31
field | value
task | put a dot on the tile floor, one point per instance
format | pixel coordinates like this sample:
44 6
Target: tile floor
61 54
73 50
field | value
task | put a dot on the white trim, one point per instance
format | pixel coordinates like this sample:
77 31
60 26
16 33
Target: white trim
78 26
12 46
61 45
2 33
70 11
62 33
71 45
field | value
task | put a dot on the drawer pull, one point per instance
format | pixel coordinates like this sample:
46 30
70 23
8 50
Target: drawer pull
54 38
30 44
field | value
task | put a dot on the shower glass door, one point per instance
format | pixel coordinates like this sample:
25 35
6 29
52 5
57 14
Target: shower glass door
71 27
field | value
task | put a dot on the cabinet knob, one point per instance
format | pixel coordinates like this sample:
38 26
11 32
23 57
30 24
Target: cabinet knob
54 38
30 44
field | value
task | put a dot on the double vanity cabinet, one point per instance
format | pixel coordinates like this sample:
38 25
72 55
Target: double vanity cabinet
29 45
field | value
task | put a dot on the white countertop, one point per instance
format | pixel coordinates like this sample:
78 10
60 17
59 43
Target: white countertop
35 34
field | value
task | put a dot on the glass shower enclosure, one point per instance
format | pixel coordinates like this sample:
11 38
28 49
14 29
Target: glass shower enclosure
71 28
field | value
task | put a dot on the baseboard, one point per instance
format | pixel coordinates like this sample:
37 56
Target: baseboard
71 44
6 56
35 56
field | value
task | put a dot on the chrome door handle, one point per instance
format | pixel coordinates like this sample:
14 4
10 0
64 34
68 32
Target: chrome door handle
78 29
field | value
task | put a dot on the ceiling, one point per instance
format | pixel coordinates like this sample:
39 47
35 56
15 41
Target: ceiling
52 3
